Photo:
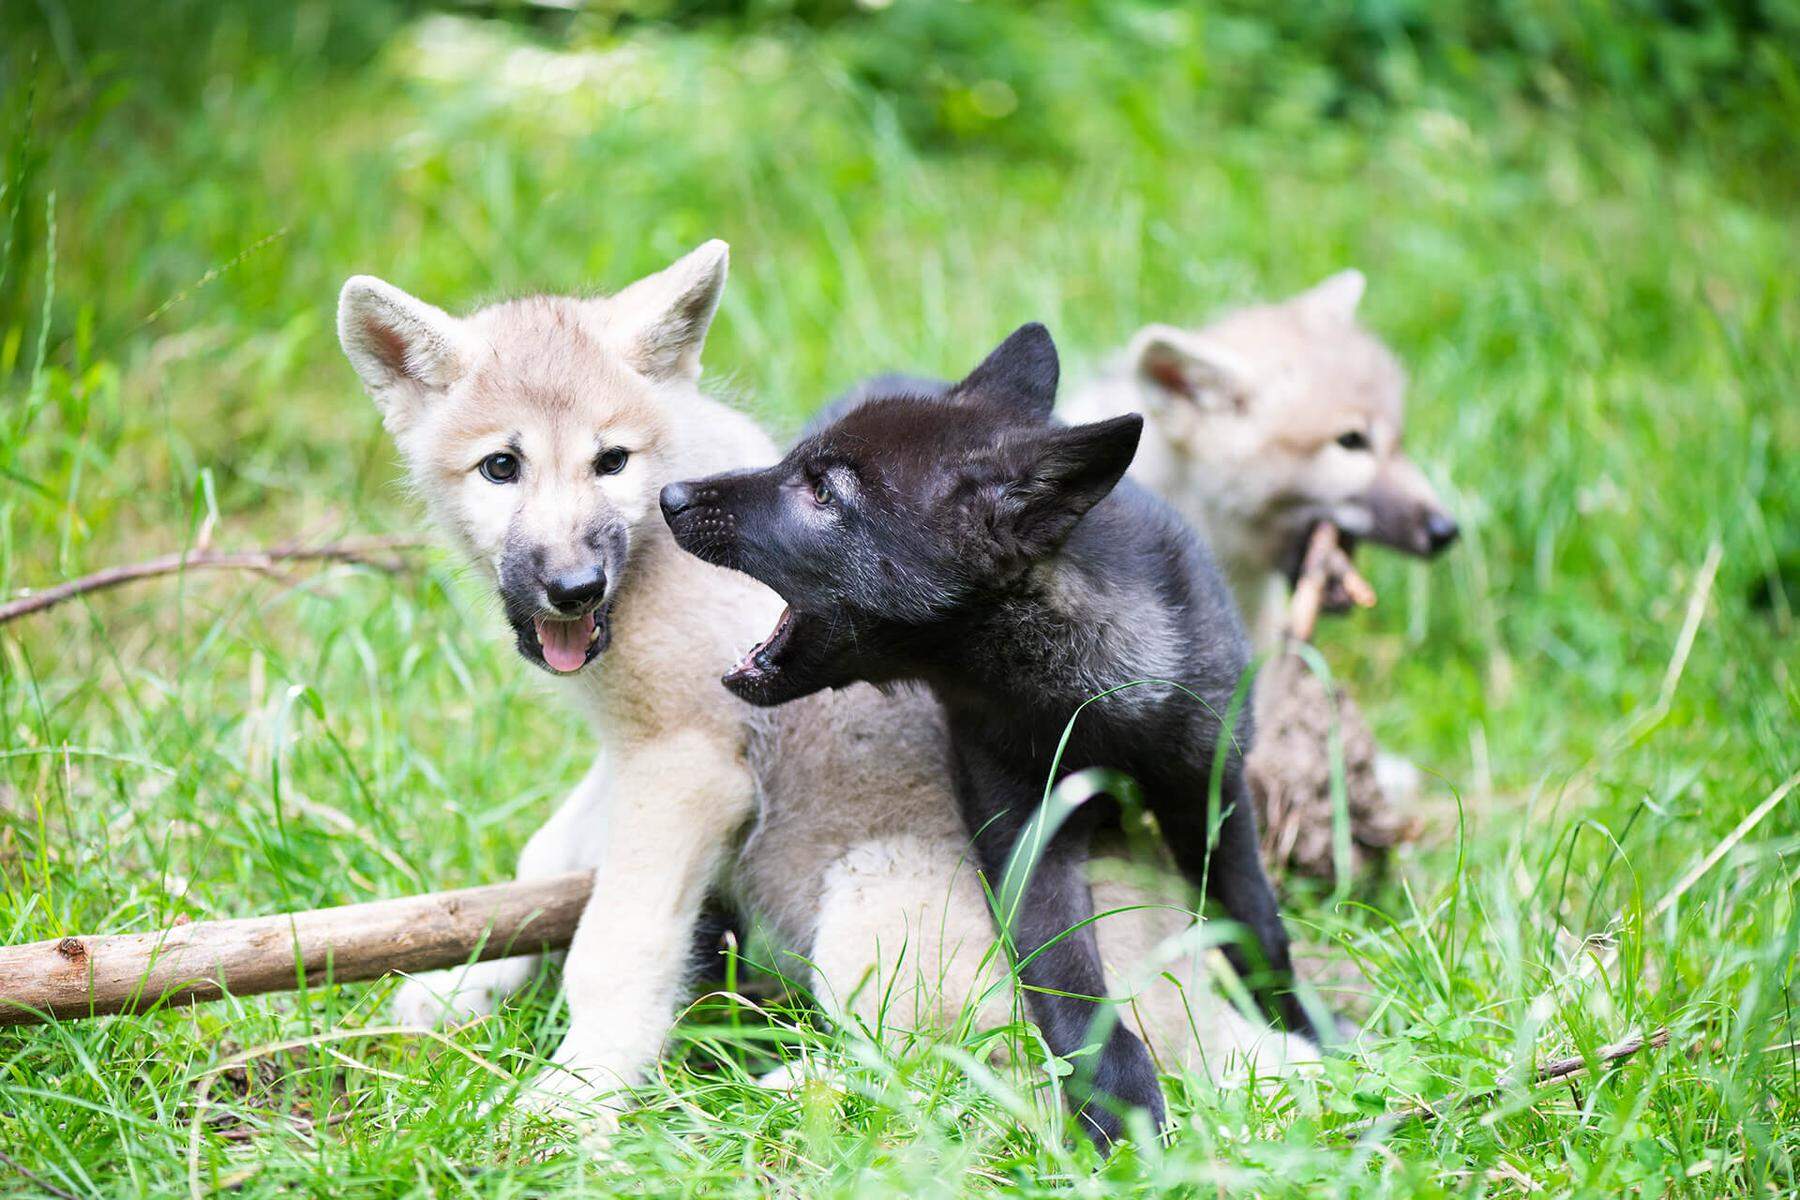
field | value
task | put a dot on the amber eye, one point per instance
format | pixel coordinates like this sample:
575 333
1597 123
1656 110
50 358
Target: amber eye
821 492
612 461
500 468
1355 439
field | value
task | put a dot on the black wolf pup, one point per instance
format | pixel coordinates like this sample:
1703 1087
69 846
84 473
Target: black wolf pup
957 536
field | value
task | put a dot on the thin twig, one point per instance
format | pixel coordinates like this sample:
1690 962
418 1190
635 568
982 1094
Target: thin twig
1550 1072
296 1124
1325 572
371 552
34 1177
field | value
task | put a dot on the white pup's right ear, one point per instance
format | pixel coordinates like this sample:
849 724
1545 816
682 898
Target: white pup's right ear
1334 299
1188 367
659 323
405 349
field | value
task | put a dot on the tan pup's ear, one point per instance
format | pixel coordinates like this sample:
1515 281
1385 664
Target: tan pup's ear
1334 299
659 323
1184 366
407 351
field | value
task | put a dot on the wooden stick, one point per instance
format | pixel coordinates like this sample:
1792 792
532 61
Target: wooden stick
1550 1072
366 551
50 1189
1324 566
207 960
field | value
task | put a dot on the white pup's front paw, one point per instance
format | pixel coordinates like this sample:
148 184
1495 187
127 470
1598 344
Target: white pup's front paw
794 1074
786 1078
460 994
588 1103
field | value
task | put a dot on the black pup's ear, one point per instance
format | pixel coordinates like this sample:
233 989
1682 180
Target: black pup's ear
1061 474
1022 372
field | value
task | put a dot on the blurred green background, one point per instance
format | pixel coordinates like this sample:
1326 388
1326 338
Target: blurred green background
1579 225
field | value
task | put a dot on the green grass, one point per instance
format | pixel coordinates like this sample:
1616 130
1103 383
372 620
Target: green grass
1603 331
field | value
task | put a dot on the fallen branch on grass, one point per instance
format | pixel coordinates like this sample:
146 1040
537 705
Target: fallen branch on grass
375 552
75 977
50 1189
208 960
1552 1071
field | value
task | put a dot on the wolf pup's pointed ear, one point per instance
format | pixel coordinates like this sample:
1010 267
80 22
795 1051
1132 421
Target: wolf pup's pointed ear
1184 366
1060 474
405 350
1334 299
1022 371
659 323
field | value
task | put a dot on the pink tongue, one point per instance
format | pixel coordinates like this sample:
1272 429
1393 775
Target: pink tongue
565 643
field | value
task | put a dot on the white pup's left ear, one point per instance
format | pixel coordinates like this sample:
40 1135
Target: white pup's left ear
1335 298
405 349
659 323
1189 367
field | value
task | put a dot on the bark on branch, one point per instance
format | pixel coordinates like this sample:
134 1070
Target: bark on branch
206 960
373 552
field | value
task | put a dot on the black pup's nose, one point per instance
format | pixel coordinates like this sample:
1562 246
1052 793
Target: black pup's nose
676 497
577 591
1440 531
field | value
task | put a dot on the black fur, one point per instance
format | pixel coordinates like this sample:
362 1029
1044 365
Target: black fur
956 535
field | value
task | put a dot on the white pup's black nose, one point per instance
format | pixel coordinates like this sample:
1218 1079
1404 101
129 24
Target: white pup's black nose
1440 531
577 591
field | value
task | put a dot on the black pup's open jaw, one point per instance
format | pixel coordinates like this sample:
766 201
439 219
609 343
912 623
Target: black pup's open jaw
564 645
762 662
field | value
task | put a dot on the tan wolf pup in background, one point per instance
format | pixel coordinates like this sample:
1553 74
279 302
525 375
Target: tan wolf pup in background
1267 421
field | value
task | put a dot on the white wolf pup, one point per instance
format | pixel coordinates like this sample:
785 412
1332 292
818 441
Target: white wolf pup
539 433
1265 422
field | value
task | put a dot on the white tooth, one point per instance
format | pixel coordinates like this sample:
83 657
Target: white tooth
594 635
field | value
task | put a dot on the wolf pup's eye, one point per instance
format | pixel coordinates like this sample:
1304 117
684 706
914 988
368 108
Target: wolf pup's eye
500 468
612 461
821 492
1355 439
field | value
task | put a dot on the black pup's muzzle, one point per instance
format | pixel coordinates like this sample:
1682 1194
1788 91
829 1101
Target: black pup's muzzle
703 518
677 498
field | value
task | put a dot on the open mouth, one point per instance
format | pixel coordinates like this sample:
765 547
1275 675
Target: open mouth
759 663
565 644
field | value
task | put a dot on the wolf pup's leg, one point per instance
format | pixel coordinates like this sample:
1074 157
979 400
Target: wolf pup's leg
567 842
1235 878
1059 956
674 804
1158 961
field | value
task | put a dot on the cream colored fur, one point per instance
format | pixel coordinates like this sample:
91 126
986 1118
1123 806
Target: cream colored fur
1242 420
829 819
657 814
